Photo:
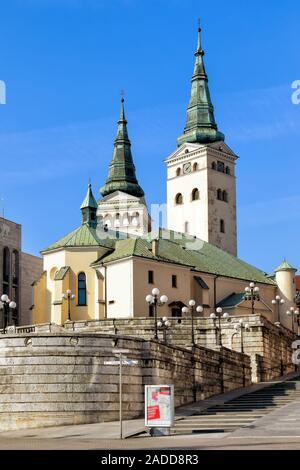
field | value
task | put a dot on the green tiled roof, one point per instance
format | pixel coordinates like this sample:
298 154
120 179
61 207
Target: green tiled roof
188 251
82 236
173 247
200 125
89 200
122 175
285 266
232 300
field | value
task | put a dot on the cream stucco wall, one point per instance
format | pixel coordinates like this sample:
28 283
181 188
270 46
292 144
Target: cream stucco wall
163 280
202 218
119 282
49 306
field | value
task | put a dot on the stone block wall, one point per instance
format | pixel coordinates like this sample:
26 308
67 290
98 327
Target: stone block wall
269 346
49 379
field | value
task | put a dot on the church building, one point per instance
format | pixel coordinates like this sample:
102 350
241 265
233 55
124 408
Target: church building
112 261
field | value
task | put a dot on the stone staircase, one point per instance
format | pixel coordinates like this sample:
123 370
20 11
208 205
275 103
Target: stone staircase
239 412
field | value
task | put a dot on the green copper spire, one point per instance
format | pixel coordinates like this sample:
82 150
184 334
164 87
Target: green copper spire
89 208
200 125
121 175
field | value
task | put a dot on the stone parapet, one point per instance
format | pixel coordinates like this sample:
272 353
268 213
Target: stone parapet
49 379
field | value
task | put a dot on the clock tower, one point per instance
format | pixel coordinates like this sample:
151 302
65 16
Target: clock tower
201 185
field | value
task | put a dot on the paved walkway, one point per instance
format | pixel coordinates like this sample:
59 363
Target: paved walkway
278 430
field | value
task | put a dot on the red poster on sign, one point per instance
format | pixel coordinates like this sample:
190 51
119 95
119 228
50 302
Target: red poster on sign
165 391
153 412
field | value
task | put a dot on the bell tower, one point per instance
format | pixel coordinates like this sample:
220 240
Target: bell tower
201 186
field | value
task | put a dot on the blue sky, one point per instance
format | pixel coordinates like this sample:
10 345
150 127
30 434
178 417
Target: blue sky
64 63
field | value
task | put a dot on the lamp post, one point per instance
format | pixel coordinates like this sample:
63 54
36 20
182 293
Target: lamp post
153 299
6 305
164 324
294 313
252 293
241 326
68 296
185 310
278 301
218 315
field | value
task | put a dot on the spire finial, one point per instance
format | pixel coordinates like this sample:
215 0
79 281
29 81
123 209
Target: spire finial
199 50
90 182
122 94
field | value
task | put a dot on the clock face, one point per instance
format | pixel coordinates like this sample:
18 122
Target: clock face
187 167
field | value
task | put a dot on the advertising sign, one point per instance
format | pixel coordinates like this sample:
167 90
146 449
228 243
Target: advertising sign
159 406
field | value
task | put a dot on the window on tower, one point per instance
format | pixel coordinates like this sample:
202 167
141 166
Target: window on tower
214 166
195 167
219 195
222 226
178 172
228 172
225 196
178 199
195 194
221 167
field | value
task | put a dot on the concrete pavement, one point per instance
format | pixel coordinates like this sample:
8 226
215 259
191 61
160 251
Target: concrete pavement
280 429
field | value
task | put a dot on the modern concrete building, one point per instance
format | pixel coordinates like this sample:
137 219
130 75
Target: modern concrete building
18 272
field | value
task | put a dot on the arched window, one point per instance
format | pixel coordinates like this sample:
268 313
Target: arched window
214 166
220 195
178 172
15 267
81 289
225 196
135 219
126 219
227 170
221 167
222 226
195 167
195 194
108 220
6 270
117 220
178 199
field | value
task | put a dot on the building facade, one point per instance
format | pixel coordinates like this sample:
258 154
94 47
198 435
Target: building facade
18 272
113 260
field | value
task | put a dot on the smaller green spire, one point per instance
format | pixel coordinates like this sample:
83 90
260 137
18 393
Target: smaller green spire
89 208
285 266
122 175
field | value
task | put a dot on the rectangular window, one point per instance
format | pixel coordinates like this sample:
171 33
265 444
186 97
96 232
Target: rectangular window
176 313
150 277
151 311
174 280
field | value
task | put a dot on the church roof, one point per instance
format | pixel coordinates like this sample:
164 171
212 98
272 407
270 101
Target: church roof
122 175
232 300
200 125
89 200
285 266
189 251
83 236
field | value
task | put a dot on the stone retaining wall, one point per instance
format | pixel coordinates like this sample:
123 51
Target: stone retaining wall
49 379
268 345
